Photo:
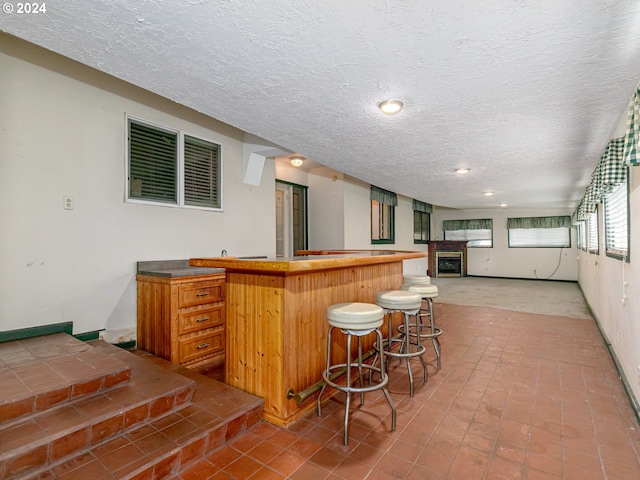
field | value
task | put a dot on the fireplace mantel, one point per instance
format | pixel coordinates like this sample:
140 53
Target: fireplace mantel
446 246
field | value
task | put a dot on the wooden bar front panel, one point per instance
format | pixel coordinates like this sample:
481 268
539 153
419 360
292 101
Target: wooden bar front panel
277 329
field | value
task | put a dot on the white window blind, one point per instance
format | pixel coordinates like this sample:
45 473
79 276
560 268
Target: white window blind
169 167
540 237
475 238
616 228
582 240
592 232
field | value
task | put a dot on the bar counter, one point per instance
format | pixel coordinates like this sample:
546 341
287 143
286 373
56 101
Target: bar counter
276 327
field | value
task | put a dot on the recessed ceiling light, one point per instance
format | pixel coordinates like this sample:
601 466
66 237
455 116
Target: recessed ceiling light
390 107
462 171
297 161
503 205
487 194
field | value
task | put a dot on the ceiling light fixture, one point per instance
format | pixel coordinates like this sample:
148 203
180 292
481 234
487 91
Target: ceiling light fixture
462 171
487 194
390 107
297 161
503 205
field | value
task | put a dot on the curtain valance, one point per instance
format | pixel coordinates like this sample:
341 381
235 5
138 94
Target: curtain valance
475 224
381 195
613 171
419 206
539 222
632 138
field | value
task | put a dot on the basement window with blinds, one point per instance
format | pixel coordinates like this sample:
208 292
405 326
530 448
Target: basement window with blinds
477 233
582 237
616 222
592 233
539 232
169 167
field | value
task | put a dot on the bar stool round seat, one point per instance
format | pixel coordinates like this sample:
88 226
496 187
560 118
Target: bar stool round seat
355 320
355 316
398 300
422 329
416 280
408 303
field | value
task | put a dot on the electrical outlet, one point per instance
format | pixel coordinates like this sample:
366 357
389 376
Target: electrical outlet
67 202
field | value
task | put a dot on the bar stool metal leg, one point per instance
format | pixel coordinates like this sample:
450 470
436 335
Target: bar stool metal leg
355 320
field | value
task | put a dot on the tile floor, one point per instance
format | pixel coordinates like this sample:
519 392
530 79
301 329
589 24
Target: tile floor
519 396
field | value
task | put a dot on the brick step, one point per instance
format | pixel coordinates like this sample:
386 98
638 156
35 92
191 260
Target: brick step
40 373
161 448
44 439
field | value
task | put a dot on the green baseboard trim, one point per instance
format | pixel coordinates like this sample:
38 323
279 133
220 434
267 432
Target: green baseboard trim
126 345
40 330
85 337
635 405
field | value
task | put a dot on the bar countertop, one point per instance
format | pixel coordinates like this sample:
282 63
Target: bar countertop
306 261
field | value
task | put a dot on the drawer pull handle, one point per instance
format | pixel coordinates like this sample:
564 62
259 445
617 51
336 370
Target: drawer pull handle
204 345
203 319
203 294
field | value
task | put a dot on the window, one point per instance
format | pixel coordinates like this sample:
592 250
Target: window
421 220
169 167
592 233
539 232
582 239
478 233
383 204
616 222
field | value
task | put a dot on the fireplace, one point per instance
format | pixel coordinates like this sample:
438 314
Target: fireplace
447 258
449 264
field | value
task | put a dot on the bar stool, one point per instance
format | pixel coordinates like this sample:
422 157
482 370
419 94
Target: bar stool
416 280
355 320
407 303
428 293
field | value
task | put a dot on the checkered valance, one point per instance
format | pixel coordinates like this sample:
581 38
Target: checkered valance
381 195
474 224
632 138
419 206
609 172
613 171
539 222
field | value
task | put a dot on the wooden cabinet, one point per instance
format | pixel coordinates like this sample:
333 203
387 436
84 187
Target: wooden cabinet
182 319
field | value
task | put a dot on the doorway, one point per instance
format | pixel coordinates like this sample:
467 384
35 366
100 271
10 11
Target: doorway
291 218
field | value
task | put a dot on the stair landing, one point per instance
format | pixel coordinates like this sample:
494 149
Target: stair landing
41 372
152 422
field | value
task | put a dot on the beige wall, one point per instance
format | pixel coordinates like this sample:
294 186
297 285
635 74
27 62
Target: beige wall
62 132
612 290
502 261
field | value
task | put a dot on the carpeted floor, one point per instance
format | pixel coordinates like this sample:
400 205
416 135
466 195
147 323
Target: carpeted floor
532 296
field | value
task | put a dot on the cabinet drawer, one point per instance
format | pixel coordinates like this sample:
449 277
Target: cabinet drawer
199 293
204 318
192 348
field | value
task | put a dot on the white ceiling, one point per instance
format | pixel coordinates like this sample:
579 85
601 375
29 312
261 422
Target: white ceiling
526 93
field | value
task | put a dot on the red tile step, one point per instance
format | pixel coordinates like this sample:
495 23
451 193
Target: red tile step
160 448
43 372
46 438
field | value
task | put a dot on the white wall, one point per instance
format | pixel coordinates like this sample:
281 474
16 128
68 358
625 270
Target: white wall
502 261
62 132
612 290
357 206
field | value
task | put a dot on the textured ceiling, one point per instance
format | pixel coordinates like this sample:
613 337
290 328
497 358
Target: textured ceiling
526 93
